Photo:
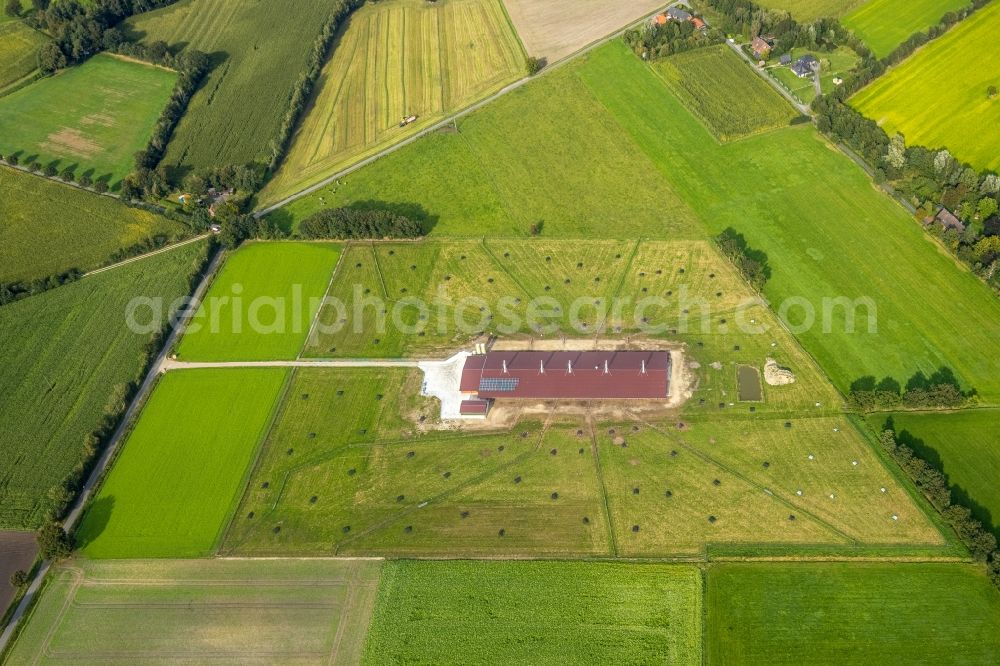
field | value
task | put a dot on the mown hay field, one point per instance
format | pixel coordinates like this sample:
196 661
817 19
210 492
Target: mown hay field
19 46
964 445
175 611
260 305
538 612
258 51
48 228
179 475
714 85
394 60
936 99
92 118
863 613
885 24
68 355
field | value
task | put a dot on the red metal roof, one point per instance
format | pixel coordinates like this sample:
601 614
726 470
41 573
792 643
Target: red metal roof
568 375
474 407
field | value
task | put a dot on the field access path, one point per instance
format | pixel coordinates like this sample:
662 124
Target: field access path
102 463
457 115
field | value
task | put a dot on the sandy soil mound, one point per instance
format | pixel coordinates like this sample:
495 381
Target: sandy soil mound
775 375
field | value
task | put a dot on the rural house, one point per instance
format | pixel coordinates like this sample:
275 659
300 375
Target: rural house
805 66
948 220
760 47
785 59
677 14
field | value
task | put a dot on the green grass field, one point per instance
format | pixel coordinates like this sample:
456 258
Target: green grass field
92 118
807 10
536 612
260 306
823 613
49 228
180 473
393 60
19 46
258 51
68 356
714 85
885 24
964 445
816 232
908 98
183 611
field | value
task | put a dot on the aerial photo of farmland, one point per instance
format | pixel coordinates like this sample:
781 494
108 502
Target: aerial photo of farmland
500 332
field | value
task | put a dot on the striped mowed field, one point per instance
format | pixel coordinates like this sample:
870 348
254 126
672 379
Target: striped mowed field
396 59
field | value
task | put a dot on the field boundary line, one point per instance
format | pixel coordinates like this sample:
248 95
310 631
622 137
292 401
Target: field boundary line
604 486
139 257
378 269
501 267
326 294
599 330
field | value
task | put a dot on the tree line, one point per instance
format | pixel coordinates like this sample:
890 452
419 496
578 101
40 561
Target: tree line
940 389
982 543
751 263
353 223
79 31
650 41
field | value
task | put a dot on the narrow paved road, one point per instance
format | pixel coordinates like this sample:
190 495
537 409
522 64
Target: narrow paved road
77 511
165 248
803 108
452 118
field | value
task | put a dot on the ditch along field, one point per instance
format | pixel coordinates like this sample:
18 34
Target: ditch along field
354 466
713 84
178 477
655 171
885 24
68 356
964 445
19 46
258 50
260 306
864 613
49 228
536 612
186 611
555 29
91 118
393 60
937 83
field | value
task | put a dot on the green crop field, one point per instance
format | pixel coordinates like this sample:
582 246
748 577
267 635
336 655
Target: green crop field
536 612
258 51
910 98
180 473
885 24
92 118
714 85
48 228
964 445
261 304
68 356
19 46
394 60
815 232
808 10
823 613
183 611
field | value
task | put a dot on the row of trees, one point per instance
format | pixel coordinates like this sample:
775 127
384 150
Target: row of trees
751 263
934 485
746 18
307 80
80 30
941 389
15 291
344 223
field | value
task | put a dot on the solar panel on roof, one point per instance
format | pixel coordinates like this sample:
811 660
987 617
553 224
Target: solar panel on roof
498 384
